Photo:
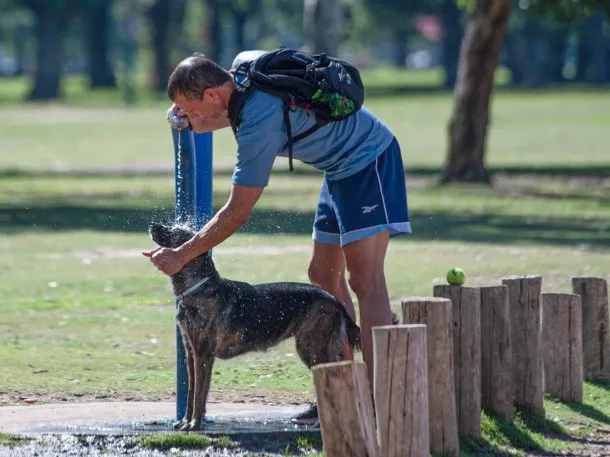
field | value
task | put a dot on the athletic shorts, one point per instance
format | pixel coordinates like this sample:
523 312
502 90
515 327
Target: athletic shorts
368 202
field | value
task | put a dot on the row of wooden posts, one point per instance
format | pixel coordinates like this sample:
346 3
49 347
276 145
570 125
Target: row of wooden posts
456 352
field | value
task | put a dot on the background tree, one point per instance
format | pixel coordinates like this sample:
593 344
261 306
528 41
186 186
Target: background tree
479 55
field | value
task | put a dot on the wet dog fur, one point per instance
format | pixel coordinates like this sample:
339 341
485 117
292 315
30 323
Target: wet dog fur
224 318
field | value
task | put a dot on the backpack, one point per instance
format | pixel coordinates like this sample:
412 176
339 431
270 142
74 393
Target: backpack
329 87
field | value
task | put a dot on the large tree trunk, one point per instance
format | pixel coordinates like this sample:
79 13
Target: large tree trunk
451 16
322 26
479 56
50 23
215 29
98 16
159 16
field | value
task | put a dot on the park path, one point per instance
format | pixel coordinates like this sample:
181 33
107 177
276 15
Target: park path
20 419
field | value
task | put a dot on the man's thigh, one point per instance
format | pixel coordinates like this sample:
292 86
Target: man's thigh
373 200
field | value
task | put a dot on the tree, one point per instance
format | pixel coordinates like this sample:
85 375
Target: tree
479 55
97 14
51 19
323 25
485 31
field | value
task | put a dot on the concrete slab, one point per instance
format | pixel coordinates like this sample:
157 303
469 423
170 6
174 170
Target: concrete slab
128 418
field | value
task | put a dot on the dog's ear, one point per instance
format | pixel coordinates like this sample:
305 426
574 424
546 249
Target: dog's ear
161 234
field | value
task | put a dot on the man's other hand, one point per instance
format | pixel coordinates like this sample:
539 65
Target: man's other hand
166 260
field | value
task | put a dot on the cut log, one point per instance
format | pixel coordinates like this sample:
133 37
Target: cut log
345 410
562 346
466 315
595 327
526 341
435 313
496 381
401 390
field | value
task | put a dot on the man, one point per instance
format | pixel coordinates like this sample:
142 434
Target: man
362 203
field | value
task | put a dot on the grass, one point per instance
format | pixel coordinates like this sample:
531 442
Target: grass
10 440
85 316
167 441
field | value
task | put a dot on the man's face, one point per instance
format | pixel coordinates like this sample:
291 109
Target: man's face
208 107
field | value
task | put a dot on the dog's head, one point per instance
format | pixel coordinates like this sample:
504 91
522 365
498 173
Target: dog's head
170 236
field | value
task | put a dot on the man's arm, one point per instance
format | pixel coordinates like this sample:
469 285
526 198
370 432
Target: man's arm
225 222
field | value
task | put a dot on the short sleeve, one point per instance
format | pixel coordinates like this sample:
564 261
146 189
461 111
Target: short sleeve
259 140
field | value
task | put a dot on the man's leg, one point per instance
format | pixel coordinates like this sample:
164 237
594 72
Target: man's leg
365 266
327 270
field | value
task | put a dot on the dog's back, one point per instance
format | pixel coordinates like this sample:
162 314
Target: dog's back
266 314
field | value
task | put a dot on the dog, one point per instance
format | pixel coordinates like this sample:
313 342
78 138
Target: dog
221 318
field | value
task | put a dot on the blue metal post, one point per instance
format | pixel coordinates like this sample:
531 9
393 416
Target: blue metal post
193 183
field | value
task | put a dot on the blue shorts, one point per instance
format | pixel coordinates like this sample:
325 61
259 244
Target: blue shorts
368 202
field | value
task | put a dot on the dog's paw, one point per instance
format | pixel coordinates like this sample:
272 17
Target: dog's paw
179 424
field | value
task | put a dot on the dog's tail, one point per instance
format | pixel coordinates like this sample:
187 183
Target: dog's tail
353 333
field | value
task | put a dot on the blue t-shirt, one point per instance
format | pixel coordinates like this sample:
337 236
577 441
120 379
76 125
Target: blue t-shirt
339 149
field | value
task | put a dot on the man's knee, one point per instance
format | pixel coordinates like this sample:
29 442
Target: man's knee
323 275
365 281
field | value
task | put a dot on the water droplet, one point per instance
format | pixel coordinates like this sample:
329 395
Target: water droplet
53 284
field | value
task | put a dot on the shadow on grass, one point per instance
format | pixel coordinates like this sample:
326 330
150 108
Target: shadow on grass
590 412
427 225
499 435
594 170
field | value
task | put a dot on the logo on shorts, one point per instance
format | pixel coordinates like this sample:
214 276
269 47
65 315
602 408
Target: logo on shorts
369 209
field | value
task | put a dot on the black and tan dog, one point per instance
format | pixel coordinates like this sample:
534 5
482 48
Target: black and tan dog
220 318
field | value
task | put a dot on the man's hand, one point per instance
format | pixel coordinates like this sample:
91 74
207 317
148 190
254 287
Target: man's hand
178 115
166 260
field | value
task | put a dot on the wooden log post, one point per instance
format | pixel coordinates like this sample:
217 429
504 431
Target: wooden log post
595 327
526 341
345 409
435 313
562 346
496 375
401 390
466 315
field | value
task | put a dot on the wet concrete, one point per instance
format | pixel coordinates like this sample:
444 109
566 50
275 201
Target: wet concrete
109 429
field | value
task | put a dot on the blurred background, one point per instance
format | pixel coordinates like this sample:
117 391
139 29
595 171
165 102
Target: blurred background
54 48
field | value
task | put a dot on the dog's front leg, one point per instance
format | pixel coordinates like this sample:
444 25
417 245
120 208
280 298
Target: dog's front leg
203 372
190 365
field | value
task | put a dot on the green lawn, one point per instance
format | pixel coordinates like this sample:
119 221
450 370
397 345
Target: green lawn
84 315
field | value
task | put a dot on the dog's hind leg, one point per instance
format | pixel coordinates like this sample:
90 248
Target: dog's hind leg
203 364
320 339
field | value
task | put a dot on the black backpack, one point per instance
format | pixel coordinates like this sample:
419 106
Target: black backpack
329 87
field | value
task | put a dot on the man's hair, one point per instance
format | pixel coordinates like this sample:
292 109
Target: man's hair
193 75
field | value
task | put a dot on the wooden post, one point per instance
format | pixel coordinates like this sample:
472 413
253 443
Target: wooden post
401 390
435 313
466 315
496 380
562 346
526 340
345 409
595 327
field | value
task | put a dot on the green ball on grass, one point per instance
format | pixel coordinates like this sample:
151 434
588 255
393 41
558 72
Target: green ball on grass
456 276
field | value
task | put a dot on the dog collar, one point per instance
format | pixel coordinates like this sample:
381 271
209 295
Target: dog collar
192 289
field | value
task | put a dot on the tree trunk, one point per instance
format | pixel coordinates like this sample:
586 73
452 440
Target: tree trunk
101 73
401 35
322 21
215 29
240 30
159 16
50 22
479 56
451 16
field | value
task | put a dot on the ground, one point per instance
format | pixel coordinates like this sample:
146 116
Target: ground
85 317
